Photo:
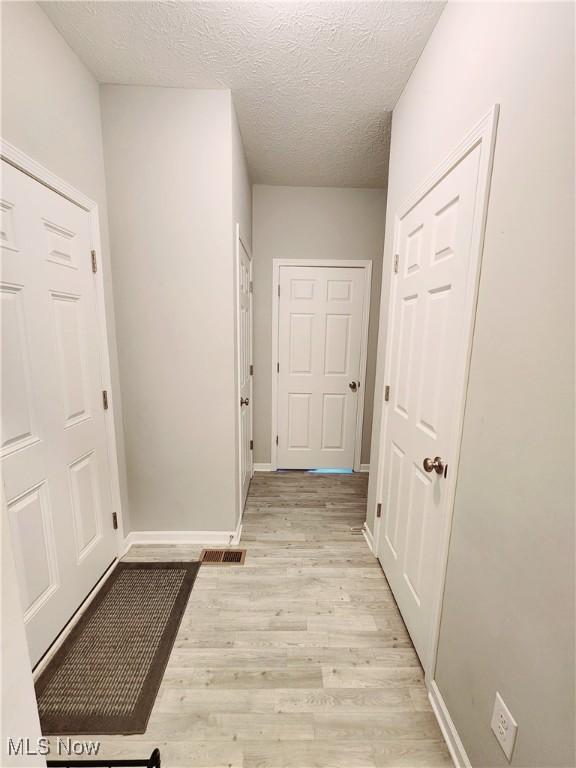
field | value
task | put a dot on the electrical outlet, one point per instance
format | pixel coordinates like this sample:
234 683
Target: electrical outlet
504 726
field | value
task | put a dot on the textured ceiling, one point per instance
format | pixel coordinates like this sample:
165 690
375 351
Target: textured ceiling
314 83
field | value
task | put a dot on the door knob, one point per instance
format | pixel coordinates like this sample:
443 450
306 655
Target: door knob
353 386
244 401
433 464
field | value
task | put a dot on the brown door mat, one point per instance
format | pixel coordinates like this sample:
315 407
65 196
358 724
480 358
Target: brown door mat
105 676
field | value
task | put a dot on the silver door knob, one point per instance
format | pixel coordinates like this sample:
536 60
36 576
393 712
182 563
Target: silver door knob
435 464
244 401
353 386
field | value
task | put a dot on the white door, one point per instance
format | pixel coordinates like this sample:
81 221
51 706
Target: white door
54 453
319 362
245 369
428 338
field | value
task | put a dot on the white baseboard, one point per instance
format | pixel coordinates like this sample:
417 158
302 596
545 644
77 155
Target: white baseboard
368 536
212 538
364 467
238 531
451 737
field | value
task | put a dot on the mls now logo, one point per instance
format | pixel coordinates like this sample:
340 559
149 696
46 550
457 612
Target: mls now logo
30 747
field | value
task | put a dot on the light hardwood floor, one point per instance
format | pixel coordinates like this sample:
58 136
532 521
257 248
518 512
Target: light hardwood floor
299 658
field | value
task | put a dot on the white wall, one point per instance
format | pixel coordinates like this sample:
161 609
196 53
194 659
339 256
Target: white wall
508 616
171 176
51 111
310 223
241 184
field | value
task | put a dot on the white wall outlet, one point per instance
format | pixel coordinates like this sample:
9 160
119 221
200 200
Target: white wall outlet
504 726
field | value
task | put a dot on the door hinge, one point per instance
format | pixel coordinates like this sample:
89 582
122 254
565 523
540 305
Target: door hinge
105 399
251 370
379 510
115 521
251 286
251 445
276 439
94 261
386 393
396 261
277 367
278 289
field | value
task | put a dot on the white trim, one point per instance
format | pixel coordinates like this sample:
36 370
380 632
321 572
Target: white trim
219 538
367 533
483 135
35 170
451 737
32 168
364 468
240 241
366 265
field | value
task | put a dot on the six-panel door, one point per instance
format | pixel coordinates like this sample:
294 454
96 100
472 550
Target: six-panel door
54 452
319 343
427 358
245 362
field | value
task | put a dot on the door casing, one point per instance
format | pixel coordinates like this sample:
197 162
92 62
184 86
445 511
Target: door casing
484 135
35 170
366 266
242 243
27 165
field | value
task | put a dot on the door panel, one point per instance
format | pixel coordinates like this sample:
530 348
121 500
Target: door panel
54 450
337 345
427 340
333 422
319 342
299 420
32 527
17 408
69 338
244 365
86 508
301 339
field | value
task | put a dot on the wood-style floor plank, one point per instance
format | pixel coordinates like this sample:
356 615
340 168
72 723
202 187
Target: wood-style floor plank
297 659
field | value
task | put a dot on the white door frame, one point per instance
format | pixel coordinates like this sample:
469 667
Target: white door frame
242 242
364 264
483 135
36 171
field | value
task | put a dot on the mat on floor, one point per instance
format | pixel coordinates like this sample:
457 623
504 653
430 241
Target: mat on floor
105 676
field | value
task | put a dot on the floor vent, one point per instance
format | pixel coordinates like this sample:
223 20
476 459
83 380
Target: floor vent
222 556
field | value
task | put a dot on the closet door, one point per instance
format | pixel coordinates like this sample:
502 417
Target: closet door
432 319
54 450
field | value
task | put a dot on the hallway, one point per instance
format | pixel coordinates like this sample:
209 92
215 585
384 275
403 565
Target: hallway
299 658
334 235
